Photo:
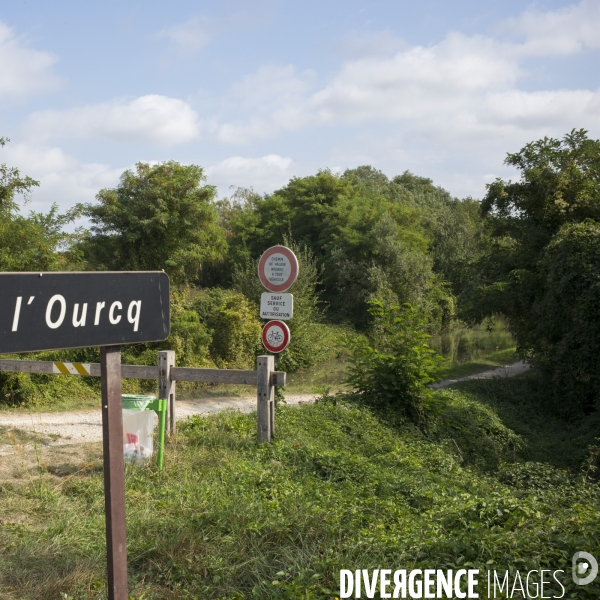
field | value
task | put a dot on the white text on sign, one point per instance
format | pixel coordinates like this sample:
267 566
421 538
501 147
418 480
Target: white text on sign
80 319
276 306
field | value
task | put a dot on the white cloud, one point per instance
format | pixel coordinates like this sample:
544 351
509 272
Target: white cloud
463 88
566 31
190 36
64 180
562 109
264 174
416 83
272 97
24 70
151 119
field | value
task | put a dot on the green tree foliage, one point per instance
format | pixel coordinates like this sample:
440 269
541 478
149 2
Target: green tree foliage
566 338
32 243
158 217
560 183
371 236
393 271
394 367
455 228
529 221
12 183
460 240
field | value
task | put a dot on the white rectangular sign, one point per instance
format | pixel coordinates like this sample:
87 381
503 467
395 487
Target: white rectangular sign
276 306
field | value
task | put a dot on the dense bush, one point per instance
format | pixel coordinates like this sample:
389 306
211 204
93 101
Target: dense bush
566 339
232 323
394 367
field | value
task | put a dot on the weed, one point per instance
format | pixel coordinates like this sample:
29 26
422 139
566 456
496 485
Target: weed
341 487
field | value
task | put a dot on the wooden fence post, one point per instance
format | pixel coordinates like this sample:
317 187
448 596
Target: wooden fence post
265 365
166 386
114 472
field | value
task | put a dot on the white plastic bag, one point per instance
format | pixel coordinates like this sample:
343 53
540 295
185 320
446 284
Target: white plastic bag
138 428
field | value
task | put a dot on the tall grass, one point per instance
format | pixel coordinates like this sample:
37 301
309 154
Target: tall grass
340 487
470 344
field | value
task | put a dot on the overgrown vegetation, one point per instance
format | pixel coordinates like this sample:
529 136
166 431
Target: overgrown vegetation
339 488
393 368
541 269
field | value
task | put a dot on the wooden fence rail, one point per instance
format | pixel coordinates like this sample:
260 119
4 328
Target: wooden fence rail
265 379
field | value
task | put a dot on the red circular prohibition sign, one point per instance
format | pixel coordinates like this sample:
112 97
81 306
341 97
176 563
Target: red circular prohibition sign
275 336
289 278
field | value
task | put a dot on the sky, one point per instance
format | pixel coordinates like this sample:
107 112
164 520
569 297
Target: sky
259 91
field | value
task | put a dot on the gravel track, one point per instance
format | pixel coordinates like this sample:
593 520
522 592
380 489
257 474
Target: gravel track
80 427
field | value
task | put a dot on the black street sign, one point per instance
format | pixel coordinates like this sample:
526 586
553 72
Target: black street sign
50 311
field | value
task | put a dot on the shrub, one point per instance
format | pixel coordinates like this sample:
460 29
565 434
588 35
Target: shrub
232 322
394 367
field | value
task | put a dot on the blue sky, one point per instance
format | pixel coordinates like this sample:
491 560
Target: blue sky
257 92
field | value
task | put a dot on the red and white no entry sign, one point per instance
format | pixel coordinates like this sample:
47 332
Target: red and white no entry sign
278 269
275 336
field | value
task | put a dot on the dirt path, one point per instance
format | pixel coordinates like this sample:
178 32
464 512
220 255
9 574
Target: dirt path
79 427
496 373
82 427
63 443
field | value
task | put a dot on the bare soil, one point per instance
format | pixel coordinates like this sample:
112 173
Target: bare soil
63 443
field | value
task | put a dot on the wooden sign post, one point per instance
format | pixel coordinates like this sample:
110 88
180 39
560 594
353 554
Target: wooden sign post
51 311
114 472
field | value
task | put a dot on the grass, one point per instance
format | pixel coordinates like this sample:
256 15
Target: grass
521 405
329 374
487 486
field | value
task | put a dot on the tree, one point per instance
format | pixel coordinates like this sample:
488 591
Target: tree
158 217
28 243
460 239
392 270
369 236
12 183
521 277
566 340
34 243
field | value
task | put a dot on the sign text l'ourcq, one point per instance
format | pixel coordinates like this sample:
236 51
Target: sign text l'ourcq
48 311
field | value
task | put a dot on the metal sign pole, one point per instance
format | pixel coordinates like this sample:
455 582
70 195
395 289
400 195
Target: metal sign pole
114 472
